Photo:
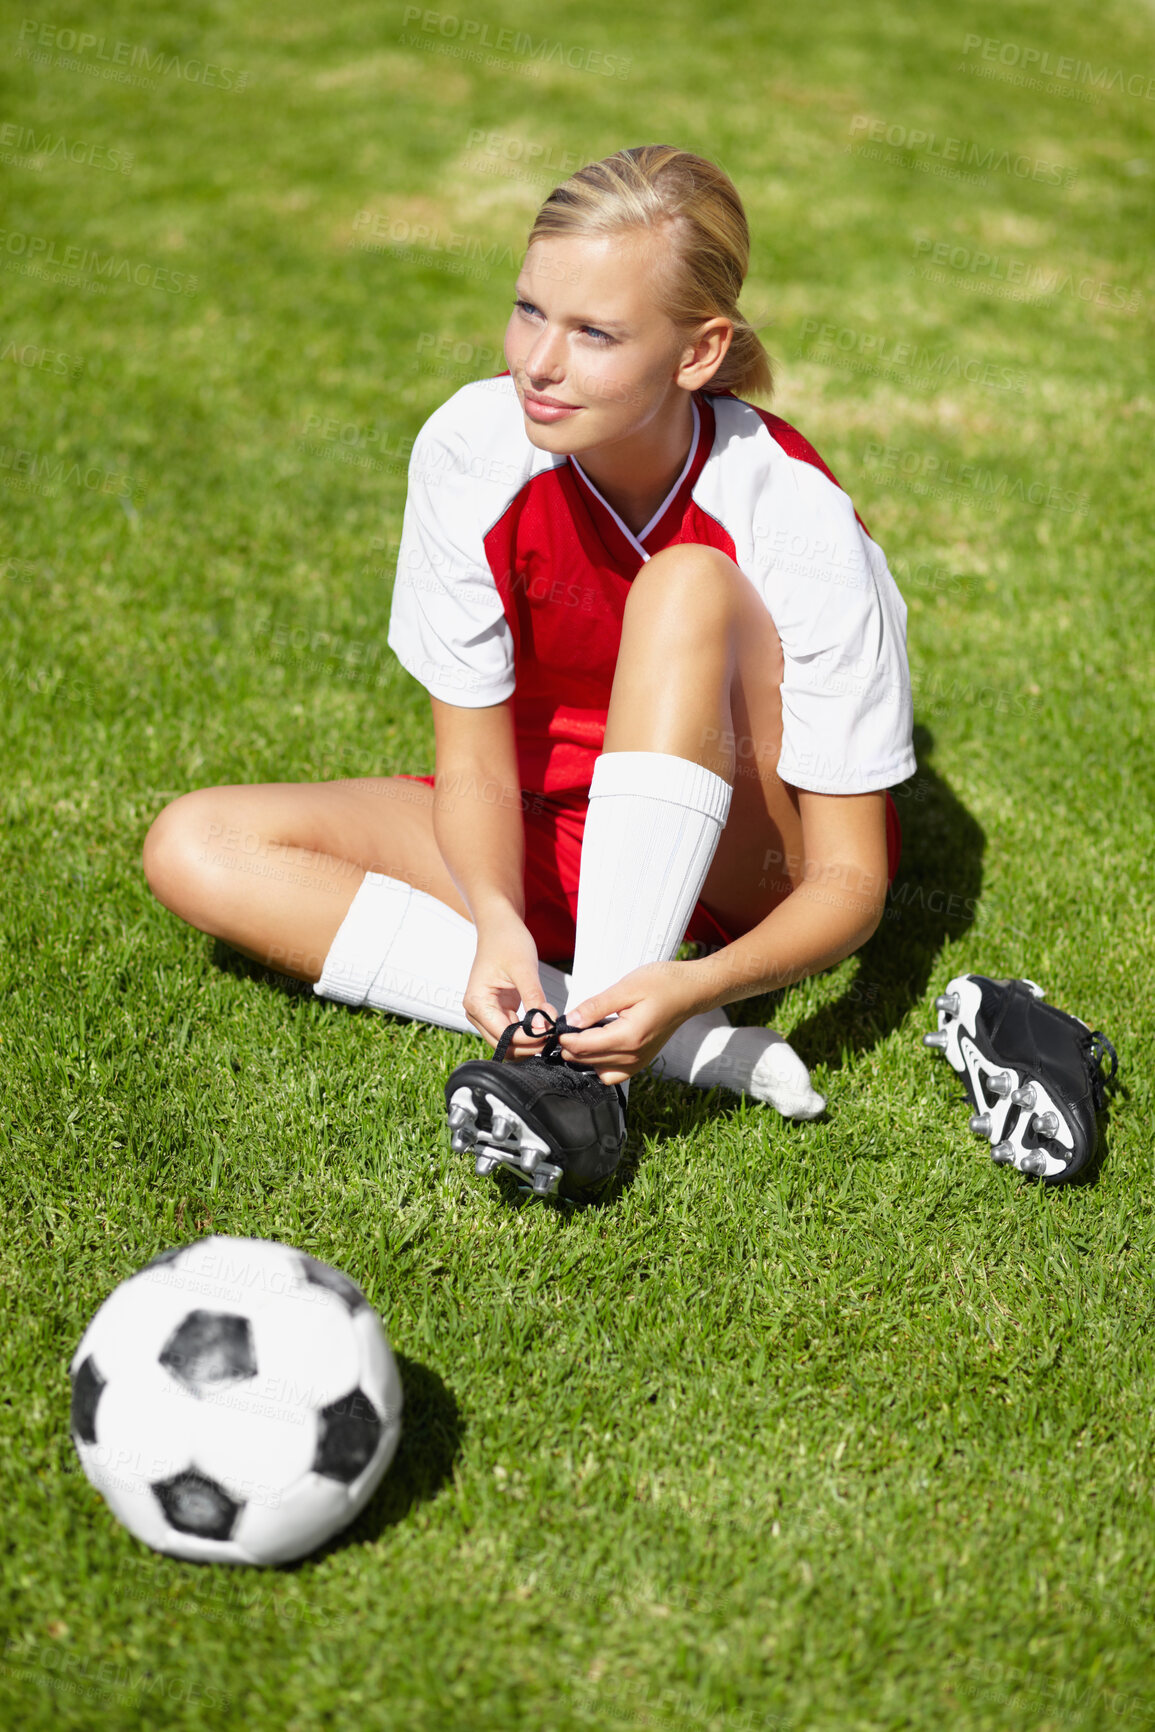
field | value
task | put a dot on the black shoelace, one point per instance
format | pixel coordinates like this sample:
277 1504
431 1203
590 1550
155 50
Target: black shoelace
551 1052
1100 1049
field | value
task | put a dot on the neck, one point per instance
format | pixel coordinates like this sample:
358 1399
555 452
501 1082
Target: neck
635 475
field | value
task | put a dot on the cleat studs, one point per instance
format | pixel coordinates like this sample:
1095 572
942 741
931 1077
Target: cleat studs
1003 1153
545 1180
461 1140
459 1116
947 1001
1000 1084
531 1159
936 1039
1024 1097
502 1128
981 1124
485 1165
1045 1124
1035 1164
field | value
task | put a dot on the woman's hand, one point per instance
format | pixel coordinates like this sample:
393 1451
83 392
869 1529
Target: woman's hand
650 1003
503 977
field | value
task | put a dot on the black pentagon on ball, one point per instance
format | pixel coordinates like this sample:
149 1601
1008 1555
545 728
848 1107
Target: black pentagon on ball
209 1350
323 1275
195 1504
350 1432
87 1384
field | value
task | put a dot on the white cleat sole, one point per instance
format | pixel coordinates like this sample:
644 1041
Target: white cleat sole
1017 1117
507 1141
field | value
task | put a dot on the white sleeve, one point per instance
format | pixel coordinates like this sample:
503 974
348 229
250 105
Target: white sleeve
447 626
847 710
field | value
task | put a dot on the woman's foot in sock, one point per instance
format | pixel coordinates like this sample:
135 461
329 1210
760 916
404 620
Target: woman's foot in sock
708 1052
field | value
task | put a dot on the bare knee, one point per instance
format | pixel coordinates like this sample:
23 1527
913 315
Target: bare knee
178 849
692 566
689 586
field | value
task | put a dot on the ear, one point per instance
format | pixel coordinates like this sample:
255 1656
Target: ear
705 353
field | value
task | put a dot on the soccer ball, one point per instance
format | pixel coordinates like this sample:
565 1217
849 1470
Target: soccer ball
235 1401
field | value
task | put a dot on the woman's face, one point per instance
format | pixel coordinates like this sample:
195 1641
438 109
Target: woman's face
594 359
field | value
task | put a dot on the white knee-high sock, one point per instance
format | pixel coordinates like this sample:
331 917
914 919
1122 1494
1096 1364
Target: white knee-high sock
401 950
653 825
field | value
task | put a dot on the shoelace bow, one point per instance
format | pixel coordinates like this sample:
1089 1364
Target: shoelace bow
551 1052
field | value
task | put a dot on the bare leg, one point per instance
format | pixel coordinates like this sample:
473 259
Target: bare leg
272 869
699 676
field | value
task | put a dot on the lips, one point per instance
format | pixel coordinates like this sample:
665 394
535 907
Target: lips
546 409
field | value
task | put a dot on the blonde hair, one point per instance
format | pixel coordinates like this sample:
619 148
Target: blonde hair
657 186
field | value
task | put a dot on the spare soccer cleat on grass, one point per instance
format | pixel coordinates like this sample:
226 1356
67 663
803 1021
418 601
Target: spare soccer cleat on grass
1034 1074
544 1118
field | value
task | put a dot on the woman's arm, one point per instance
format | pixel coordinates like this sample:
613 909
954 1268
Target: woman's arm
831 912
478 826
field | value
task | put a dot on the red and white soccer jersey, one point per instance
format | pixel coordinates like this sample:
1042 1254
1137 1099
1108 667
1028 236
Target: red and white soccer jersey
513 575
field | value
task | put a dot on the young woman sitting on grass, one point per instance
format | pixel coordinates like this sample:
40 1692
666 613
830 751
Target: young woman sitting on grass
669 687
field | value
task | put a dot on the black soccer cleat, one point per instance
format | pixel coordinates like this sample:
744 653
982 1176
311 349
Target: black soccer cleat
544 1118
1034 1074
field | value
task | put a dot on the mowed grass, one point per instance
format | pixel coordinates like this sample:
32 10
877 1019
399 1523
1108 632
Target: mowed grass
819 1426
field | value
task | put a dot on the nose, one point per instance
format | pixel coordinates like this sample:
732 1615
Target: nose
545 362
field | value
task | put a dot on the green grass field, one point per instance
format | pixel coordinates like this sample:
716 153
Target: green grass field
805 1426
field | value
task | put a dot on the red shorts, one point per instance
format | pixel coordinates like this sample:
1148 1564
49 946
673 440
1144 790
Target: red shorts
553 849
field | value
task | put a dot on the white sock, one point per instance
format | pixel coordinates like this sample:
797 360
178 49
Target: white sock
653 825
710 1053
650 835
402 950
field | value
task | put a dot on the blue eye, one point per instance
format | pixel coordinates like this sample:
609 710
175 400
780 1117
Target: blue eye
602 336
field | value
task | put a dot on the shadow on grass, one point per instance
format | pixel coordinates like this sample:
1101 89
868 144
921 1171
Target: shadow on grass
231 961
934 900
